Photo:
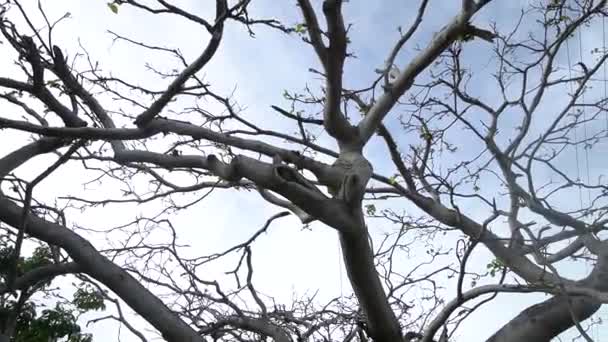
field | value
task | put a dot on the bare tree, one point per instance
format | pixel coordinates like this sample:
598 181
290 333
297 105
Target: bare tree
491 162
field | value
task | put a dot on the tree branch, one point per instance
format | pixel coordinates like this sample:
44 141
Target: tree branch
99 267
405 80
176 86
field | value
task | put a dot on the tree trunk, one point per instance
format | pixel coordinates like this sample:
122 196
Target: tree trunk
545 321
358 256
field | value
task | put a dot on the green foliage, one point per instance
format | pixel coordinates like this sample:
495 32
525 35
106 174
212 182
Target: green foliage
55 323
40 257
424 133
81 338
5 259
51 324
495 266
26 314
113 7
370 209
300 28
393 179
59 322
88 298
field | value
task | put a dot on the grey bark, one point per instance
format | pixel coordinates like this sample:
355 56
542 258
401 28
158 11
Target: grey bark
546 320
359 262
145 303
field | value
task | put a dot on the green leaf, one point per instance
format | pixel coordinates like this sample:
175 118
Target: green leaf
51 325
370 209
494 267
393 180
81 338
113 7
88 298
300 28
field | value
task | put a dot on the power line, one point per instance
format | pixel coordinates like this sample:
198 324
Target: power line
583 114
585 147
604 67
574 127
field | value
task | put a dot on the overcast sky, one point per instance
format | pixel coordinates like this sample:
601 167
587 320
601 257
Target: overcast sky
261 68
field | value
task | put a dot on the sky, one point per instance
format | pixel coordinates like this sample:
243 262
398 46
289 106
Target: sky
258 70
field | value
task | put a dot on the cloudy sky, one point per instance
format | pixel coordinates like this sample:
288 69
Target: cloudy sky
258 70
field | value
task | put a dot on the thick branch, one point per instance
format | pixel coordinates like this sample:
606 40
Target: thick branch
259 326
63 72
99 267
40 90
405 80
301 214
176 86
42 273
516 262
324 173
25 153
332 58
359 263
544 321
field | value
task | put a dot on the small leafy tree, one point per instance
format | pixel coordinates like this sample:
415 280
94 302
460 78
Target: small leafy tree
20 311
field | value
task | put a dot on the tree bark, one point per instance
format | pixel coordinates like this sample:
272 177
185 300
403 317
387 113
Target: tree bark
146 304
544 321
358 257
